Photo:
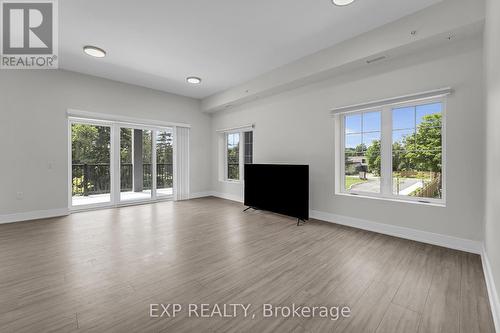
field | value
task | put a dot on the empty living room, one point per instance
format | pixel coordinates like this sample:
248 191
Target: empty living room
250 166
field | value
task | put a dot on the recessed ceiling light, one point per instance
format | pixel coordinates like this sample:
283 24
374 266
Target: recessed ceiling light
94 51
193 80
342 2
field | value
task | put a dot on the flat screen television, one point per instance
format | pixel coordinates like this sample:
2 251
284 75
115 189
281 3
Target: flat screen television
279 188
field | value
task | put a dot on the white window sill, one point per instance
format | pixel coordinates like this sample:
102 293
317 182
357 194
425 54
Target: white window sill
414 202
229 181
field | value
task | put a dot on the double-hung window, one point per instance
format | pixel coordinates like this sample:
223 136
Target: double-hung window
393 151
238 151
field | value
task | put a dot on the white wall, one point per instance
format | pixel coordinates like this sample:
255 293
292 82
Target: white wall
492 70
33 130
295 127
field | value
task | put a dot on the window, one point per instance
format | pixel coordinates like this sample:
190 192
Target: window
233 156
90 164
164 163
249 147
238 151
394 151
362 144
135 164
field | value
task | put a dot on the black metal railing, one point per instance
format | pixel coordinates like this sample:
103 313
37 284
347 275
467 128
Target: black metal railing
164 175
95 178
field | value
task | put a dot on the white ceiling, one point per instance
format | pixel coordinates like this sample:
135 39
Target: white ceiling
158 43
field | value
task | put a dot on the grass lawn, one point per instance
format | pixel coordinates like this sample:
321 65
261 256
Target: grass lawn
352 180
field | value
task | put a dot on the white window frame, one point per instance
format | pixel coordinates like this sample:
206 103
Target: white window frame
240 157
386 152
222 151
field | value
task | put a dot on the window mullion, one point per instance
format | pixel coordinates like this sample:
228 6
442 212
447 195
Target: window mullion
115 164
340 153
226 157
386 152
154 167
241 157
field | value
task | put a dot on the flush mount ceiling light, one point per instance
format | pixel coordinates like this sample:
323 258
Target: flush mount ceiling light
342 2
193 80
94 51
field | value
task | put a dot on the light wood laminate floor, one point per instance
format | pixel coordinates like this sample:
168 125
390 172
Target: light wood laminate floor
99 271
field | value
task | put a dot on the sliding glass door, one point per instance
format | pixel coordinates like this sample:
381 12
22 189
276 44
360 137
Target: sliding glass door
91 164
136 160
139 159
164 163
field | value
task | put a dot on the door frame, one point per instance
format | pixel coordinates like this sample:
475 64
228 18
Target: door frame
115 126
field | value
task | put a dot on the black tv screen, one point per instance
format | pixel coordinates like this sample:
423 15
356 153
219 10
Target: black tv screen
278 188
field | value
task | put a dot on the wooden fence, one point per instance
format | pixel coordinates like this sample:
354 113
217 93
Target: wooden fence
431 189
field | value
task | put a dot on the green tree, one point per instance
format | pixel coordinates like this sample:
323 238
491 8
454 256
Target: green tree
147 147
90 144
91 149
164 147
233 156
401 161
83 138
360 149
373 158
419 151
126 145
423 148
164 153
428 140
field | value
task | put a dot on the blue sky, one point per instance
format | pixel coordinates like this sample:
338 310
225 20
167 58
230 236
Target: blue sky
404 122
233 140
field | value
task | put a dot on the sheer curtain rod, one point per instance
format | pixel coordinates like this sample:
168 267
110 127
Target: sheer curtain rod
249 127
406 98
78 114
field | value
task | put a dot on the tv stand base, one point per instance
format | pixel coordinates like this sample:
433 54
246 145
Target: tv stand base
299 220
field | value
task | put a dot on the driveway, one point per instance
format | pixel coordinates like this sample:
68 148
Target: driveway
406 186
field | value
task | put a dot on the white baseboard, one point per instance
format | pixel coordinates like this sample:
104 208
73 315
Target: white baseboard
492 290
33 215
227 196
200 194
455 243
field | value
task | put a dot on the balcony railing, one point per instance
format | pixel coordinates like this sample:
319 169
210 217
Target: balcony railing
91 179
